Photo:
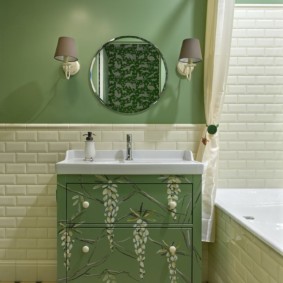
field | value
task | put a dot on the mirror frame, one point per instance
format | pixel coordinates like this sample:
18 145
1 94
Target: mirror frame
96 92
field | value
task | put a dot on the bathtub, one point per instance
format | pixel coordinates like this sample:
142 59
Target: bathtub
260 211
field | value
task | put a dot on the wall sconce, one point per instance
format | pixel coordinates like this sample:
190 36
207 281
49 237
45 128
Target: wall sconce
190 55
66 52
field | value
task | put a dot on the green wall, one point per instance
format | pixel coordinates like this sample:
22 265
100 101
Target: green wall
32 85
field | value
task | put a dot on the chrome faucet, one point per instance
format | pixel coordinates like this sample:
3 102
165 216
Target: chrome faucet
129 147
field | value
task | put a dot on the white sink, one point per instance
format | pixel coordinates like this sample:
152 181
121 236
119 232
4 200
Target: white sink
145 162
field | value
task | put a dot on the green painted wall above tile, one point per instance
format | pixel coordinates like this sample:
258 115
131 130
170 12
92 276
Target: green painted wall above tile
33 88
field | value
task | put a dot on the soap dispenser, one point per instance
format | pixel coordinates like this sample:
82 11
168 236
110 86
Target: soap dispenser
89 147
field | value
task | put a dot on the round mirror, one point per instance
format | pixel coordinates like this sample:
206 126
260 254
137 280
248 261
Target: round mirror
128 74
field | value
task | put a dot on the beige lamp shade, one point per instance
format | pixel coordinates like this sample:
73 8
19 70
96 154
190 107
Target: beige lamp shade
190 51
66 50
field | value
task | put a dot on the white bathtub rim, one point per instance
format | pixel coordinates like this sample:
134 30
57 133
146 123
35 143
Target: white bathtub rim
276 245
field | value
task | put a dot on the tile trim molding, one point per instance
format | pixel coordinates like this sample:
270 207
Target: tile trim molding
102 126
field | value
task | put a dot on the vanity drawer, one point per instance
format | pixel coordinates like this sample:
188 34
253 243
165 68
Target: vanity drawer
99 243
89 255
115 203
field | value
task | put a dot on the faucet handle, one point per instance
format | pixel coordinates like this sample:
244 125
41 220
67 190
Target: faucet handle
129 147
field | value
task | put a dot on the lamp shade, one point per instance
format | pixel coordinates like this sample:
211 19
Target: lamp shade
66 49
190 51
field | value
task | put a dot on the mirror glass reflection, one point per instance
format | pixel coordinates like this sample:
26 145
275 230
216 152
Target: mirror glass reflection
128 74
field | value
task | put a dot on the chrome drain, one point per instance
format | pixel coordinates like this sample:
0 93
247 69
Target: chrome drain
249 217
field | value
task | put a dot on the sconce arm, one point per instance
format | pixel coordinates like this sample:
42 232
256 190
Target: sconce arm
186 69
70 68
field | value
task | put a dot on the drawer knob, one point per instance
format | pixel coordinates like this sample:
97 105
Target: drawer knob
172 204
172 250
85 249
85 204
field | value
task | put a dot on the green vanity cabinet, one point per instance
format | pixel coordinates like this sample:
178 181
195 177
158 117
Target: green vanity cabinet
133 228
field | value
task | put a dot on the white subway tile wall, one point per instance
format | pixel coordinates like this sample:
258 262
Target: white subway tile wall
252 121
28 154
251 142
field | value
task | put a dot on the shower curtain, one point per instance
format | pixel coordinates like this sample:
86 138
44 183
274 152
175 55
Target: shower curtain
219 24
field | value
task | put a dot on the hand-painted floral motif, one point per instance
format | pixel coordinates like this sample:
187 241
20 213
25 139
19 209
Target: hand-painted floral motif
67 244
173 190
140 236
78 201
171 257
109 278
172 265
110 199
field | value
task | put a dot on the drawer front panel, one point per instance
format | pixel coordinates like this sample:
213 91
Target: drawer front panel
116 203
140 252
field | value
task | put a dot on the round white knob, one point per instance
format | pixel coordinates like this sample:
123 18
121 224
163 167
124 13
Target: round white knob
172 204
85 249
172 250
85 204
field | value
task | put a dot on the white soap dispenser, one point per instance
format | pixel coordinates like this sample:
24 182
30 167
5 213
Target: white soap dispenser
89 147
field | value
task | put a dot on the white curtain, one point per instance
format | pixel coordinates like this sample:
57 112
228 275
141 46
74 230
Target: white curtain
219 24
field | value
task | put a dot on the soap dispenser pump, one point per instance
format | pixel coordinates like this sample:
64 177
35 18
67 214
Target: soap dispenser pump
89 147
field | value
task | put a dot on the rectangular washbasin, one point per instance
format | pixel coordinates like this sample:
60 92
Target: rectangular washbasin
145 162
